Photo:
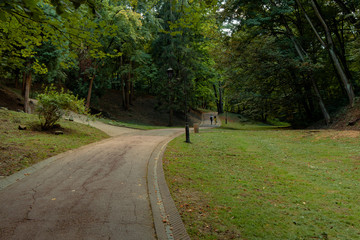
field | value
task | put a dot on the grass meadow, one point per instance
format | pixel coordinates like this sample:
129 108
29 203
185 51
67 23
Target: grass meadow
22 148
261 183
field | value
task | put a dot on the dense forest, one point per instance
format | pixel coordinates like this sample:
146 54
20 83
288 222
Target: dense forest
291 60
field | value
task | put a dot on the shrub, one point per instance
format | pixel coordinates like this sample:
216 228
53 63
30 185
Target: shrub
54 104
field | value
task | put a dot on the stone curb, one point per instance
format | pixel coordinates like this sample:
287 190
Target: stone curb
167 220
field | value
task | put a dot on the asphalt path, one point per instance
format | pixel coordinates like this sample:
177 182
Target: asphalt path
206 120
99 191
112 189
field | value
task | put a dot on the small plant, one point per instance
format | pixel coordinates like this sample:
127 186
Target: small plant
54 104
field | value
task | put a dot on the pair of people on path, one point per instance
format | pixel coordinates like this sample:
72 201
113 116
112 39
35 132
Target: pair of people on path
213 118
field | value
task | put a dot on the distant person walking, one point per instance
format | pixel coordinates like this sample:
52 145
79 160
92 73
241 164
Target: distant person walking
211 119
215 120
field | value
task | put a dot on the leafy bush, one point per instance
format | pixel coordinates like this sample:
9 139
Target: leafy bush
54 104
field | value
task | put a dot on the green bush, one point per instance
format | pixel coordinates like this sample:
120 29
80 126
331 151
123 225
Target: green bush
54 104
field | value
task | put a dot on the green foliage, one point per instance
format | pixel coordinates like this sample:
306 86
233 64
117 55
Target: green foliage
182 45
52 105
117 43
274 65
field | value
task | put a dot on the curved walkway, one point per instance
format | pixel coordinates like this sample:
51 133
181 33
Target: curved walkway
205 121
112 189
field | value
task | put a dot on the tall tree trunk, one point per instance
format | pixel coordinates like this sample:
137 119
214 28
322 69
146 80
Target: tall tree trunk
309 95
132 95
218 100
298 89
27 93
23 84
127 93
89 92
130 87
330 46
321 103
221 105
216 97
123 92
302 53
341 53
122 82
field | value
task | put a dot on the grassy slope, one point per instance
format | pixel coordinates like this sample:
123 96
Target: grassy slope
267 184
20 149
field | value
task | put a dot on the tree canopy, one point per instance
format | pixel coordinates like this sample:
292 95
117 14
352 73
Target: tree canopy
295 61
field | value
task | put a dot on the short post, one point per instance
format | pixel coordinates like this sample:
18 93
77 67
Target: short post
196 128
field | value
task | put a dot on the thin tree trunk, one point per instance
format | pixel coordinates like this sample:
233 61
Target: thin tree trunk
221 107
27 93
216 97
132 95
311 24
321 103
89 92
330 46
341 53
23 84
123 92
301 52
122 83
340 70
309 95
127 93
130 87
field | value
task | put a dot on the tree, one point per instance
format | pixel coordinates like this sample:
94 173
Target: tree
307 66
331 48
181 45
27 24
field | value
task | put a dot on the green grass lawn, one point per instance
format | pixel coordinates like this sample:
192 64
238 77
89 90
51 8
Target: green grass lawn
267 184
21 149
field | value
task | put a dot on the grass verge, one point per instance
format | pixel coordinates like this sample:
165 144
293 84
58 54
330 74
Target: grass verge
267 184
22 148
239 122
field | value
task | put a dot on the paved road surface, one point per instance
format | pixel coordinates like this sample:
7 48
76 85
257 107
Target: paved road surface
206 120
96 192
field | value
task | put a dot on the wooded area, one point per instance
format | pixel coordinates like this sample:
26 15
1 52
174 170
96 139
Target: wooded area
295 61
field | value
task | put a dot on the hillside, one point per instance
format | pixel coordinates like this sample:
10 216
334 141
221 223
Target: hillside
347 118
143 111
10 99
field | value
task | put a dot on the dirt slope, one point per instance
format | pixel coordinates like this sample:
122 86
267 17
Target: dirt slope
348 118
10 99
143 111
